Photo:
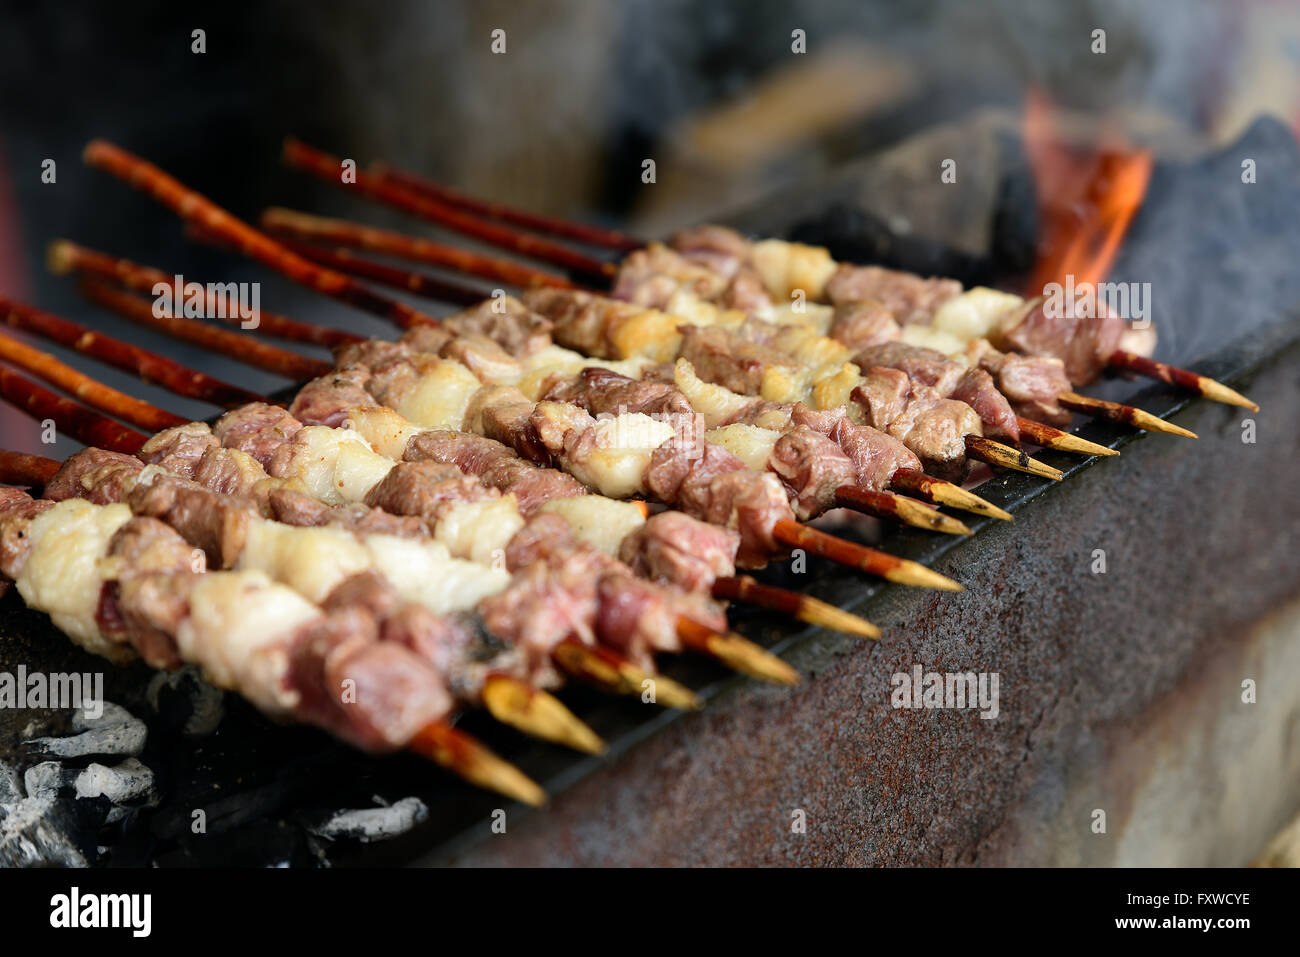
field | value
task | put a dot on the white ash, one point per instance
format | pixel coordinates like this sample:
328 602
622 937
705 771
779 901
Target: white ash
116 731
11 784
207 703
39 832
44 779
127 783
374 824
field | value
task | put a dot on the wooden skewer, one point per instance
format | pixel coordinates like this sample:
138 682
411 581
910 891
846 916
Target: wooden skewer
81 422
945 493
1172 375
737 652
471 760
63 256
612 673
900 507
995 453
149 366
226 342
430 287
342 232
19 468
1052 438
537 713
1121 414
194 207
903 571
329 169
81 386
805 608
1204 385
537 223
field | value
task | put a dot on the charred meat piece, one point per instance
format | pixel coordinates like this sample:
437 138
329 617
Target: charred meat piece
674 547
505 320
1083 343
97 475
494 464
813 468
257 429
326 401
728 360
910 298
604 391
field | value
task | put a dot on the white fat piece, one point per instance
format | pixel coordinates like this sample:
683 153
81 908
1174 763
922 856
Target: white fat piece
423 572
440 396
813 316
597 520
310 560
67 567
479 531
239 631
615 464
940 341
554 360
387 432
975 314
785 267
716 403
749 443
337 466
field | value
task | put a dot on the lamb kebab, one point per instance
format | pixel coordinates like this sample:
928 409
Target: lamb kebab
506 321
336 466
788 364
124 587
622 455
751 270
195 208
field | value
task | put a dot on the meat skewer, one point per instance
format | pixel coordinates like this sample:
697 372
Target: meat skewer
440 394
805 607
740 654
1041 433
595 663
813 263
121 587
874 501
483 668
941 431
194 207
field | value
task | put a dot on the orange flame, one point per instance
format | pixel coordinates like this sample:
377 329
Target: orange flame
1086 200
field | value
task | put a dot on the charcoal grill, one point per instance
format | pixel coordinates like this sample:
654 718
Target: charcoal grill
1120 692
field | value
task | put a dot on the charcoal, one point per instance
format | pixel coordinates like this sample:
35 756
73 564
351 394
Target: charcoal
11 784
114 732
374 824
129 784
185 701
44 779
41 832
